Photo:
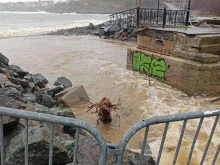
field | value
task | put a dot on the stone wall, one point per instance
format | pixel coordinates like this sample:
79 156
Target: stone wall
189 68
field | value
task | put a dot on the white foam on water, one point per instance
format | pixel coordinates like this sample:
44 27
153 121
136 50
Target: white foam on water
32 23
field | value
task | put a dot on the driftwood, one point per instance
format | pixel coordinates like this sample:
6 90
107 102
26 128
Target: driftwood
104 109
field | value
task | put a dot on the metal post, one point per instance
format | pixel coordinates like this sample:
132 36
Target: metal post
138 16
158 7
188 13
164 17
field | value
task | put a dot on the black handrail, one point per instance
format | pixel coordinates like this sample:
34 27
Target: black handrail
140 17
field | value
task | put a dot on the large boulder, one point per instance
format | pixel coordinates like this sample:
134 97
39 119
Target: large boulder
4 59
2 65
39 80
53 91
63 81
65 112
72 96
17 81
9 123
10 92
45 99
16 71
35 107
38 145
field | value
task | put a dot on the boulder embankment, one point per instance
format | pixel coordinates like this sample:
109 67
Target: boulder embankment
108 30
22 90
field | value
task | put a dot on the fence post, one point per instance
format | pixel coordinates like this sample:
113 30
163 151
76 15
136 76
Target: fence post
138 16
188 13
164 17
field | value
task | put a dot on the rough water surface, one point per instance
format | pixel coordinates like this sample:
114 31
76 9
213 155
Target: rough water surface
100 66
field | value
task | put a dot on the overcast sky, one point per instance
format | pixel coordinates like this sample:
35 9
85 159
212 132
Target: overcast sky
23 0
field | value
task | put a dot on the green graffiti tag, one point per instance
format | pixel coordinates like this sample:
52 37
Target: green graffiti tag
149 65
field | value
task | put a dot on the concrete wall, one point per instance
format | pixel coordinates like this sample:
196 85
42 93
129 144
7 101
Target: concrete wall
192 72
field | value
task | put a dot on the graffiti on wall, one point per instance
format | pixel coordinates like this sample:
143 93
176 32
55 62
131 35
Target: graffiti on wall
149 65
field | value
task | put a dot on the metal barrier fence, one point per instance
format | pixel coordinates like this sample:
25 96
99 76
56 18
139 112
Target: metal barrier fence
140 17
53 120
106 149
166 120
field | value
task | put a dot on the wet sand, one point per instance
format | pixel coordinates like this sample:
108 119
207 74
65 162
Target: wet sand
100 65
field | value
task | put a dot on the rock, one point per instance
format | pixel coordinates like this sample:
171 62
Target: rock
4 59
39 78
3 79
124 39
52 92
71 96
10 92
9 84
132 39
16 69
91 26
40 84
29 98
14 74
20 88
17 81
63 81
65 112
10 135
114 29
6 72
2 65
35 107
124 34
45 99
68 141
9 123
104 37
28 78
89 149
96 33
38 145
62 111
131 157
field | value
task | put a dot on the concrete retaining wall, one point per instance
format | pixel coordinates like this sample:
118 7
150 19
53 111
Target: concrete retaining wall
193 76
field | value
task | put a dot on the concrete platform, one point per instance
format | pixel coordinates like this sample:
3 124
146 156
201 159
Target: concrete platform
190 31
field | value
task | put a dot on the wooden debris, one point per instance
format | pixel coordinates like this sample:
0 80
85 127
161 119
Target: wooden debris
104 109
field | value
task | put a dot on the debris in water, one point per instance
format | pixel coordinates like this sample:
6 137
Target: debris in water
104 109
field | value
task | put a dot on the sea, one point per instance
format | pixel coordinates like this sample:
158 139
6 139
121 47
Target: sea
32 23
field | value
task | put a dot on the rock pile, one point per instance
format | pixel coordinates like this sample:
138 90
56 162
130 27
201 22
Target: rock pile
22 90
119 30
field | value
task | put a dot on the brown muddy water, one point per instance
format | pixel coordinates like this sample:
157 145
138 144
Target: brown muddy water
100 65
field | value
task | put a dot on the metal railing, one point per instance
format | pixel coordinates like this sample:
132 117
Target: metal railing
140 17
78 124
166 120
127 17
106 149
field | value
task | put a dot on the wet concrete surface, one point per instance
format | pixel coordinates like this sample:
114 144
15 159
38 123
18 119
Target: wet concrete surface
100 65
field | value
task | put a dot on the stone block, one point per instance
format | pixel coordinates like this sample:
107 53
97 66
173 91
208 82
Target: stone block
204 40
72 96
206 58
214 49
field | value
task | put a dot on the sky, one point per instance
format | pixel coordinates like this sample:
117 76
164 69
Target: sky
4 1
